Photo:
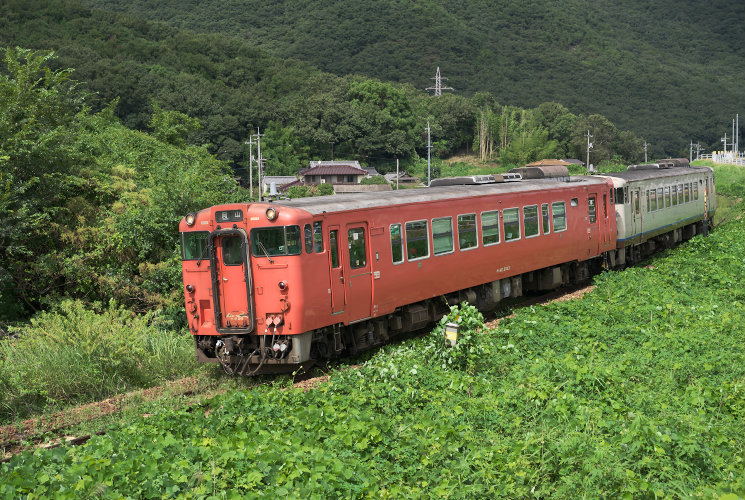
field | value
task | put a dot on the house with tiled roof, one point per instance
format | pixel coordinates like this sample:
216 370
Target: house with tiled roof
333 172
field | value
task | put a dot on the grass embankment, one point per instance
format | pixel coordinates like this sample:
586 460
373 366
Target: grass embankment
636 390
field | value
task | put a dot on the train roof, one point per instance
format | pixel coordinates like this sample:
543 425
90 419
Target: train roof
657 173
337 203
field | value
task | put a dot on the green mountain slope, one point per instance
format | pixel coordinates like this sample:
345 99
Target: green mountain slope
670 71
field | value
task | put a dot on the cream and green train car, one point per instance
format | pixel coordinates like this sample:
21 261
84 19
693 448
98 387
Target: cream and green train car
660 205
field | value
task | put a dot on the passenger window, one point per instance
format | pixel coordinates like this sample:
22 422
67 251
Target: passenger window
687 192
546 222
308 239
667 196
592 209
417 240
467 237
357 250
334 247
695 191
680 194
674 194
318 236
637 203
660 200
649 206
397 244
511 220
530 220
231 251
490 227
558 209
442 235
653 196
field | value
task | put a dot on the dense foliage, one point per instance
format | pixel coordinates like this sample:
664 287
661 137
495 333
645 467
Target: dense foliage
232 88
90 208
655 68
634 391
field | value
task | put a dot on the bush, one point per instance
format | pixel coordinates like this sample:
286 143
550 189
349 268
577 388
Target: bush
376 179
470 349
74 354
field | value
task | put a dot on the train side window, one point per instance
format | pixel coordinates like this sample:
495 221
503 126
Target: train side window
397 244
667 196
318 236
653 197
619 196
442 235
511 221
592 209
357 249
334 247
660 199
530 220
674 194
680 194
417 240
308 238
574 202
695 191
467 234
558 209
490 227
545 215
649 207
686 192
637 203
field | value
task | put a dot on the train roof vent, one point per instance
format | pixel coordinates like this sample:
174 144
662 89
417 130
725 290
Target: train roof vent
475 180
666 163
558 172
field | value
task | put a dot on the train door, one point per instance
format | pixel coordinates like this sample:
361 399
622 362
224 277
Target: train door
338 299
593 233
358 269
231 282
636 215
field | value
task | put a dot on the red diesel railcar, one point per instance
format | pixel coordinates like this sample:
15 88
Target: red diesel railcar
273 286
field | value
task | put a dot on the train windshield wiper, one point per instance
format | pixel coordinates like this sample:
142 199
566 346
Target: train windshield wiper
263 249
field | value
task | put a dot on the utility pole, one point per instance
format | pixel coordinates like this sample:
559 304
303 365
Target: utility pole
698 150
690 153
589 146
724 140
397 174
332 150
429 148
645 151
438 88
250 143
737 136
261 188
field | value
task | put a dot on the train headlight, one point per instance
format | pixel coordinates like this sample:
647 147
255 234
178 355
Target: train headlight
191 219
272 213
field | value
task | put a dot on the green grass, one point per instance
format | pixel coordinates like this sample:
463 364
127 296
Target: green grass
638 390
75 355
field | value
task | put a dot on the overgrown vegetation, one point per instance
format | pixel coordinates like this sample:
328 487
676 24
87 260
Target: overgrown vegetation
638 390
74 354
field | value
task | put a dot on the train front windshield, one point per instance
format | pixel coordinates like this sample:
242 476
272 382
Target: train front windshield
274 241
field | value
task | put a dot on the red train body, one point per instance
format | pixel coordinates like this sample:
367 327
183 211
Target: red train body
273 286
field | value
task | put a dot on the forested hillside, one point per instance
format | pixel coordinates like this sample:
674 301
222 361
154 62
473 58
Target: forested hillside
670 71
232 88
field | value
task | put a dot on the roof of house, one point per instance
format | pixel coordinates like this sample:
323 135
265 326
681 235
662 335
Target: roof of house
371 171
573 161
401 176
334 163
334 170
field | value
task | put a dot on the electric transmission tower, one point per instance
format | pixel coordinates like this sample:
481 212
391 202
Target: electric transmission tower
438 88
